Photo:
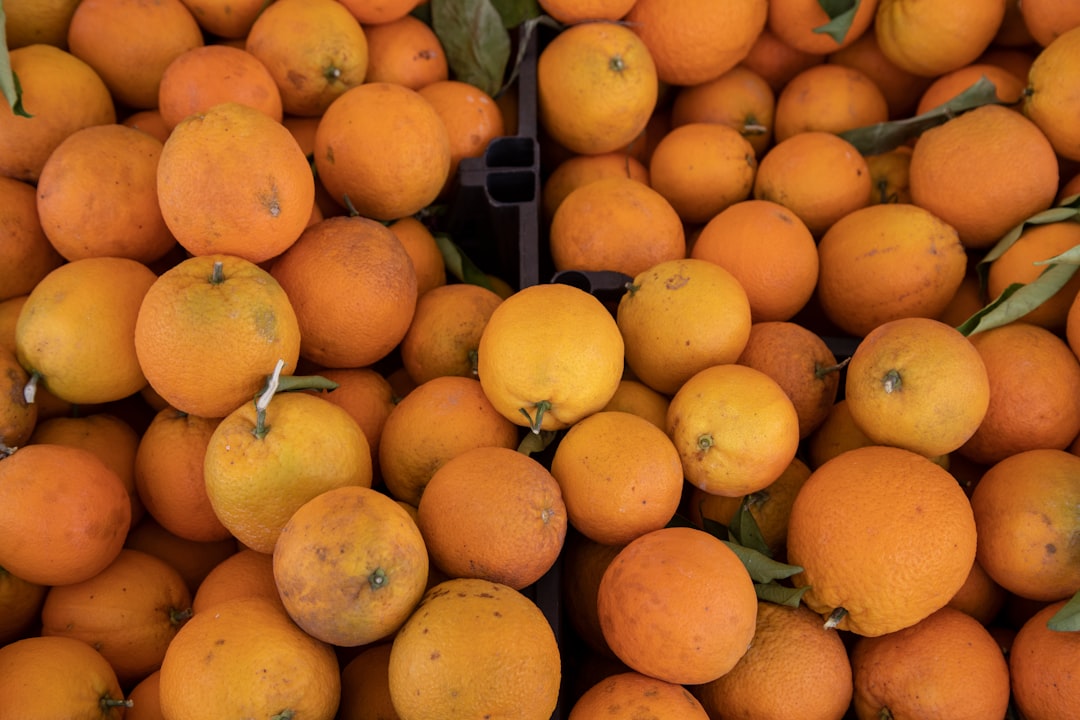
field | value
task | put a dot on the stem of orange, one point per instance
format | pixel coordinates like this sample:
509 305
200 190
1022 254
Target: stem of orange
261 428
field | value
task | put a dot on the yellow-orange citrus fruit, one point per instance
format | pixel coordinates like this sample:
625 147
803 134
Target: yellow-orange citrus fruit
472 120
800 23
901 87
1041 668
1018 265
569 12
830 98
624 696
27 255
1008 87
405 51
740 98
890 173
1048 98
577 170
634 396
930 39
28 22
245 573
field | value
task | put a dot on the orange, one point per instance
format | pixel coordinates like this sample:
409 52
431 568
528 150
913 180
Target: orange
1023 508
620 476
517 522
374 12
889 496
702 168
577 170
365 685
885 262
836 434
799 24
769 250
1072 327
76 329
801 362
931 39
740 98
18 418
451 658
193 559
314 49
890 173
51 677
406 52
1046 20
69 514
471 117
427 258
625 696
693 42
211 74
1016 60
776 61
582 566
169 475
21 603
735 428
658 317
28 22
233 180
384 164
130 43
900 87
62 94
1047 100
1018 265
983 172
150 122
248 657
260 469
27 255
693 627
830 98
245 573
200 354
596 87
97 195
792 662
128 612
229 19
1027 408
570 12
368 586
353 288
980 596
365 394
1013 31
918 384
531 363
9 316
946 665
445 331
817 175
615 223
1041 666
145 699
1009 88
437 421
636 397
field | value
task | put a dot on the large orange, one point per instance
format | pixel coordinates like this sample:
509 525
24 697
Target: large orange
194 559
828 97
776 60
1041 665
374 12
1048 100
740 98
930 38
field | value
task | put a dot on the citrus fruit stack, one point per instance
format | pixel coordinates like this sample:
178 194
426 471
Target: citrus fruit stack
272 445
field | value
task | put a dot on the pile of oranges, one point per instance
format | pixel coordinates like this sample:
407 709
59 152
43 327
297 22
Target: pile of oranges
266 451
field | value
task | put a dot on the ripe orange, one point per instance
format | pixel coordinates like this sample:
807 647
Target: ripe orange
890 172
150 122
692 627
193 559
569 12
18 418
1018 265
245 573
836 434
365 684
30 22
740 98
596 87
900 87
228 19
375 12
798 23
577 170
1009 87
1048 102
980 596
931 39
1046 21
1041 666
471 117
145 699
365 394
427 258
889 495
20 605
634 396
406 52
776 60
27 255
831 98
582 564
626 695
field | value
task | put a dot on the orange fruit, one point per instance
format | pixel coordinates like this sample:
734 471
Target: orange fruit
636 397
150 122
406 52
375 12
570 12
232 180
889 495
471 117
76 329
28 22
365 394
625 695
128 612
427 258
365 684
980 596
693 627
245 573
918 384
451 658
1047 99
1046 21
837 433
664 342
900 87
61 94
1023 511
1041 668
596 87
211 74
20 602
620 476
145 699
1018 265
792 662
18 418
192 558
517 523
1016 60
368 586
615 223
130 43
69 514
817 175
1009 88
769 250
885 262
228 19
353 288
445 331
777 61
9 316
702 168
577 170
314 49
693 42
799 23
530 361
248 657
385 164
740 98
97 196
1027 409
437 421
890 172
830 98
931 39
27 255
583 563
735 428
51 677
946 665
260 469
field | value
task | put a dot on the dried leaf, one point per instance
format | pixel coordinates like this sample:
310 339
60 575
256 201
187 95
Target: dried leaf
477 43
1067 619
841 13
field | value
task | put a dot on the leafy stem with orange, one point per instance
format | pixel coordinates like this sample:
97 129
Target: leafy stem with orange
276 383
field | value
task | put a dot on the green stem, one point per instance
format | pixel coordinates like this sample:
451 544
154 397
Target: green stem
283 715
217 274
474 362
892 382
704 442
263 401
377 579
288 383
107 703
535 423
820 371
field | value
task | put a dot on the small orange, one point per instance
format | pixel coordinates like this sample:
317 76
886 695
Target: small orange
150 122
800 23
20 605
1048 101
776 61
740 98
18 418
1018 264
1041 668
145 699
1009 88
427 258
374 12
624 696
577 170
229 19
471 117
245 573
980 596
365 683
830 98
931 39
634 396
406 52
27 255
836 434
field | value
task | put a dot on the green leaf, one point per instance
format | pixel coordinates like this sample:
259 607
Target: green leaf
9 81
459 265
515 12
762 568
536 442
1067 619
745 531
882 137
477 43
841 13
1019 299
1068 209
774 592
